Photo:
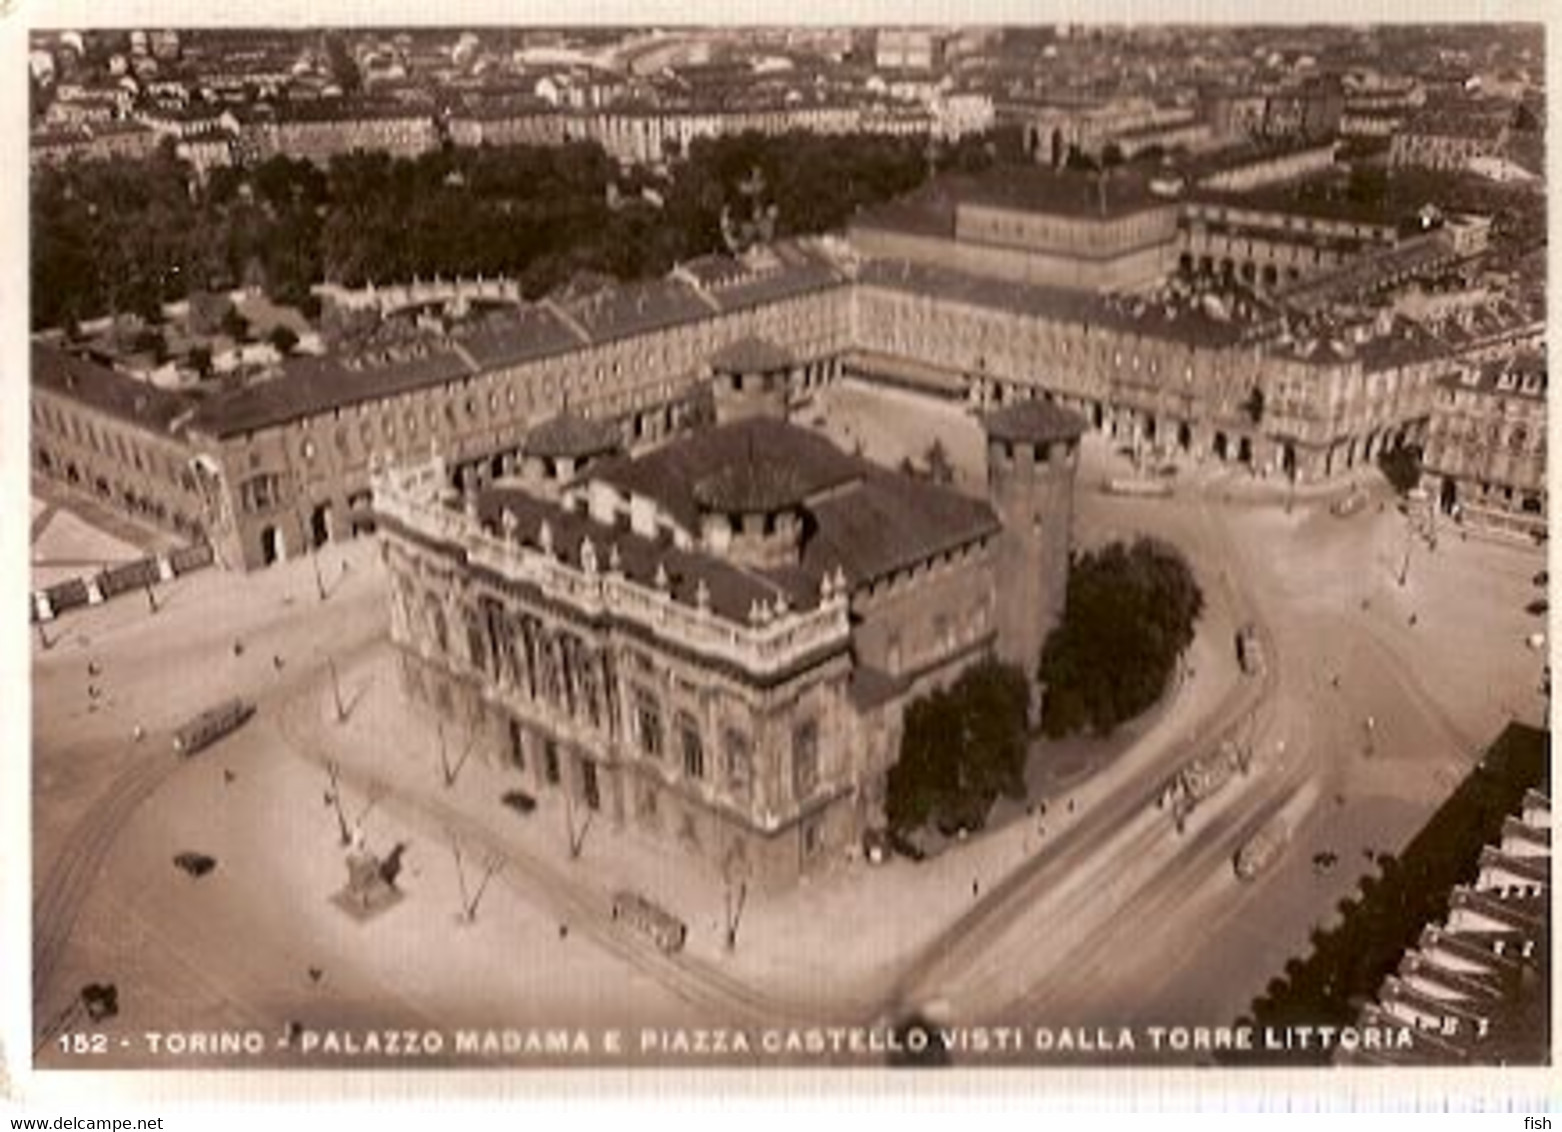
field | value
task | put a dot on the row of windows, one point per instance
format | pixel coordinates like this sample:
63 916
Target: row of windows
531 391
130 453
736 770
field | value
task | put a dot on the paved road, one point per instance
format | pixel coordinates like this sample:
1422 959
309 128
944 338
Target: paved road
1027 929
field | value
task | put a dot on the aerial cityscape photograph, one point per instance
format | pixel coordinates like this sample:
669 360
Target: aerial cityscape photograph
931 546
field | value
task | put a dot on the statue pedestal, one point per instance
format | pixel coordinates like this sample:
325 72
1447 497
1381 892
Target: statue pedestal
367 894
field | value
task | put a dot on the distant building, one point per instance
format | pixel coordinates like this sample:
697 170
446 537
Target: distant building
650 136
1031 226
1485 455
322 130
100 142
1245 168
908 49
114 438
1119 231
1474 990
1450 138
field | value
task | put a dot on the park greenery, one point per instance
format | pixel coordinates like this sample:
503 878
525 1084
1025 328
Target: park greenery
1385 917
962 747
125 236
1130 614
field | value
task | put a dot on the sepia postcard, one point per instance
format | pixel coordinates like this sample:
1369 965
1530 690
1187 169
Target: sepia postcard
943 543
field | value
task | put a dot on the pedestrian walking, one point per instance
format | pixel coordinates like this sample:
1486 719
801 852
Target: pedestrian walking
976 888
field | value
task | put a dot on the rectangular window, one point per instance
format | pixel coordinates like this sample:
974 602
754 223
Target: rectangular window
517 746
805 758
739 771
693 746
648 720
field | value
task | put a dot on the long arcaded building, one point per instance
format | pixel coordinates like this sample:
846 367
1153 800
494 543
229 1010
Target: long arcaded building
285 461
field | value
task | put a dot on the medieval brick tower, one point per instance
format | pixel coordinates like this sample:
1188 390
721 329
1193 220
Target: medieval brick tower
1032 457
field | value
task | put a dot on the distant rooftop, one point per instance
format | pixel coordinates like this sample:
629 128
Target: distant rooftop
1151 316
1055 192
107 390
1033 422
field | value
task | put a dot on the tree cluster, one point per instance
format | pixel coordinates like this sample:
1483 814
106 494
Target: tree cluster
1349 961
125 236
1401 466
961 748
1129 616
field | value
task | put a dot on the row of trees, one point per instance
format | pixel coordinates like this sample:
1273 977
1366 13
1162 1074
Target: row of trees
125 236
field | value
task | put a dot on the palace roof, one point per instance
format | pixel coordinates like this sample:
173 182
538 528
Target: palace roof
863 519
107 390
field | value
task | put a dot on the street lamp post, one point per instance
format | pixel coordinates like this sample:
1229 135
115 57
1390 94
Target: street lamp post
336 691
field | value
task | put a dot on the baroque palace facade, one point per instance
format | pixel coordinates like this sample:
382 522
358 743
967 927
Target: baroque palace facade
713 641
284 463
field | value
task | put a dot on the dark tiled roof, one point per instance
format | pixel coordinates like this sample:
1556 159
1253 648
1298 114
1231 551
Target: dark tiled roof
791 271
309 386
1523 375
669 474
755 485
888 522
1189 324
571 435
1033 422
922 215
752 355
1056 192
733 591
861 518
512 338
635 308
107 390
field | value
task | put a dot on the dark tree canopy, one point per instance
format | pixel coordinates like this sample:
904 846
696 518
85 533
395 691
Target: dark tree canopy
1129 616
283 338
1401 467
121 235
962 747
